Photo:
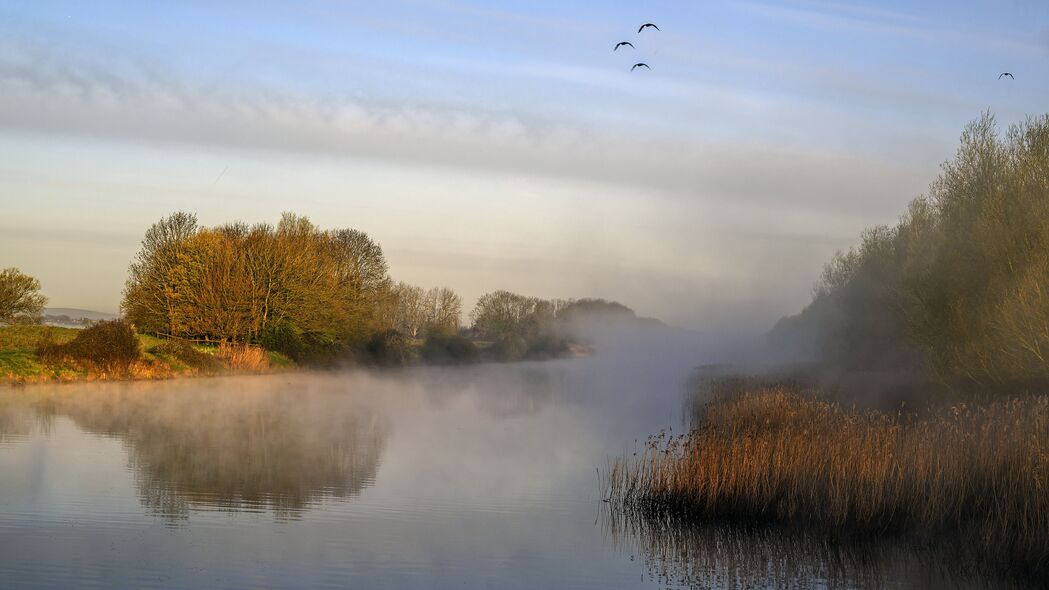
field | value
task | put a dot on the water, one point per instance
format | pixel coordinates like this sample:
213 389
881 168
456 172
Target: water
476 477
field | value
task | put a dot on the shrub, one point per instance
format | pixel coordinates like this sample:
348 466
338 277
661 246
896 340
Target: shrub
284 339
389 348
510 348
453 349
547 346
188 355
111 346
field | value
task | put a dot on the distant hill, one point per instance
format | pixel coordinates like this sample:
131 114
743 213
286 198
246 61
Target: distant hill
75 314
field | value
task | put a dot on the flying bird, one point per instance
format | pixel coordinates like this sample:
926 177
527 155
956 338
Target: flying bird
1005 74
635 66
646 25
622 43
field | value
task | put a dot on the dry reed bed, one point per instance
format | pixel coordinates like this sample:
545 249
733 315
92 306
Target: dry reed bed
977 471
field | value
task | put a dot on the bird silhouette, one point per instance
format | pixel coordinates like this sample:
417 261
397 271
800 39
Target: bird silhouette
621 43
1005 74
635 66
644 26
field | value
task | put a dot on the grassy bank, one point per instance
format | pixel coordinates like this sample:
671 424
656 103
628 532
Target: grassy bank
21 360
977 472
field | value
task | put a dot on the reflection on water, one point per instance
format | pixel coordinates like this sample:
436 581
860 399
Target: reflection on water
231 448
682 554
19 418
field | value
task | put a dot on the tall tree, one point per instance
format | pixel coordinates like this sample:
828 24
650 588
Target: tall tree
150 296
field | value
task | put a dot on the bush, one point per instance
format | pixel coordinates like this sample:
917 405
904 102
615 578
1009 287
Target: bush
389 348
111 346
547 346
510 348
284 339
188 355
452 349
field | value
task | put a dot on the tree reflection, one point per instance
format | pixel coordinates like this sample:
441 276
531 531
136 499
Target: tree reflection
236 444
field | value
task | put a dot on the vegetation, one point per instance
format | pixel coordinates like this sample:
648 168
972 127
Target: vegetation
46 353
960 286
249 297
20 298
442 349
975 470
519 326
300 289
957 292
108 346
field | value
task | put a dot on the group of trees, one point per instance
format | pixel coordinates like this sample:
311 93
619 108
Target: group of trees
419 313
521 326
960 286
293 287
315 295
20 298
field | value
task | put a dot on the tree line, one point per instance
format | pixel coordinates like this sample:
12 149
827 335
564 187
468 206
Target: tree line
317 294
959 287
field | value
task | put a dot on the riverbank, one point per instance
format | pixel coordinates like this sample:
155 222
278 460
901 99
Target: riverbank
977 473
21 361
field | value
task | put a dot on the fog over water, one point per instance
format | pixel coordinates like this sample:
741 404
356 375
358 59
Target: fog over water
478 476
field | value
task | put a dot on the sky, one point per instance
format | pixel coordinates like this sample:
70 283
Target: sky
502 144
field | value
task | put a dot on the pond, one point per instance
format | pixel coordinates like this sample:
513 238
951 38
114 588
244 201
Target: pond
473 477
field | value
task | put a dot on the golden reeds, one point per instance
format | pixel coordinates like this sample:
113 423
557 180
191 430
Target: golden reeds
243 357
981 471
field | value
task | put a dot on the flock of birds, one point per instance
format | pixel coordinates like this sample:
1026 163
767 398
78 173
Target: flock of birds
653 26
631 45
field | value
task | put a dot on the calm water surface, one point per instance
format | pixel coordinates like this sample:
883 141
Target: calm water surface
478 477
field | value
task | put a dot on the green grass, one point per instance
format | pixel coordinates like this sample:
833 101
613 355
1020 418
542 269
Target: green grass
21 363
278 360
25 338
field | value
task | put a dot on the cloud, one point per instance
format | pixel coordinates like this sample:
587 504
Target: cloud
45 92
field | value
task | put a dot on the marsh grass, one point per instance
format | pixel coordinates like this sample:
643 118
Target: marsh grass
243 358
978 472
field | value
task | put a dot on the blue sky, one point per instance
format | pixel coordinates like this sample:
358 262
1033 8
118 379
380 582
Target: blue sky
501 144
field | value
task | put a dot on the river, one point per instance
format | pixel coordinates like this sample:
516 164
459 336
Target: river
473 477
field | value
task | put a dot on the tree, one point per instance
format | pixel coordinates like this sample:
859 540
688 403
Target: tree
20 298
149 295
443 311
410 314
960 286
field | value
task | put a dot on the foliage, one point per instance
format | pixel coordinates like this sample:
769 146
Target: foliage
20 298
389 348
449 349
188 355
111 345
961 284
305 291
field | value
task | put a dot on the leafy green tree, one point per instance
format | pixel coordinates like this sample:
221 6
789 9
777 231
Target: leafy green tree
20 297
